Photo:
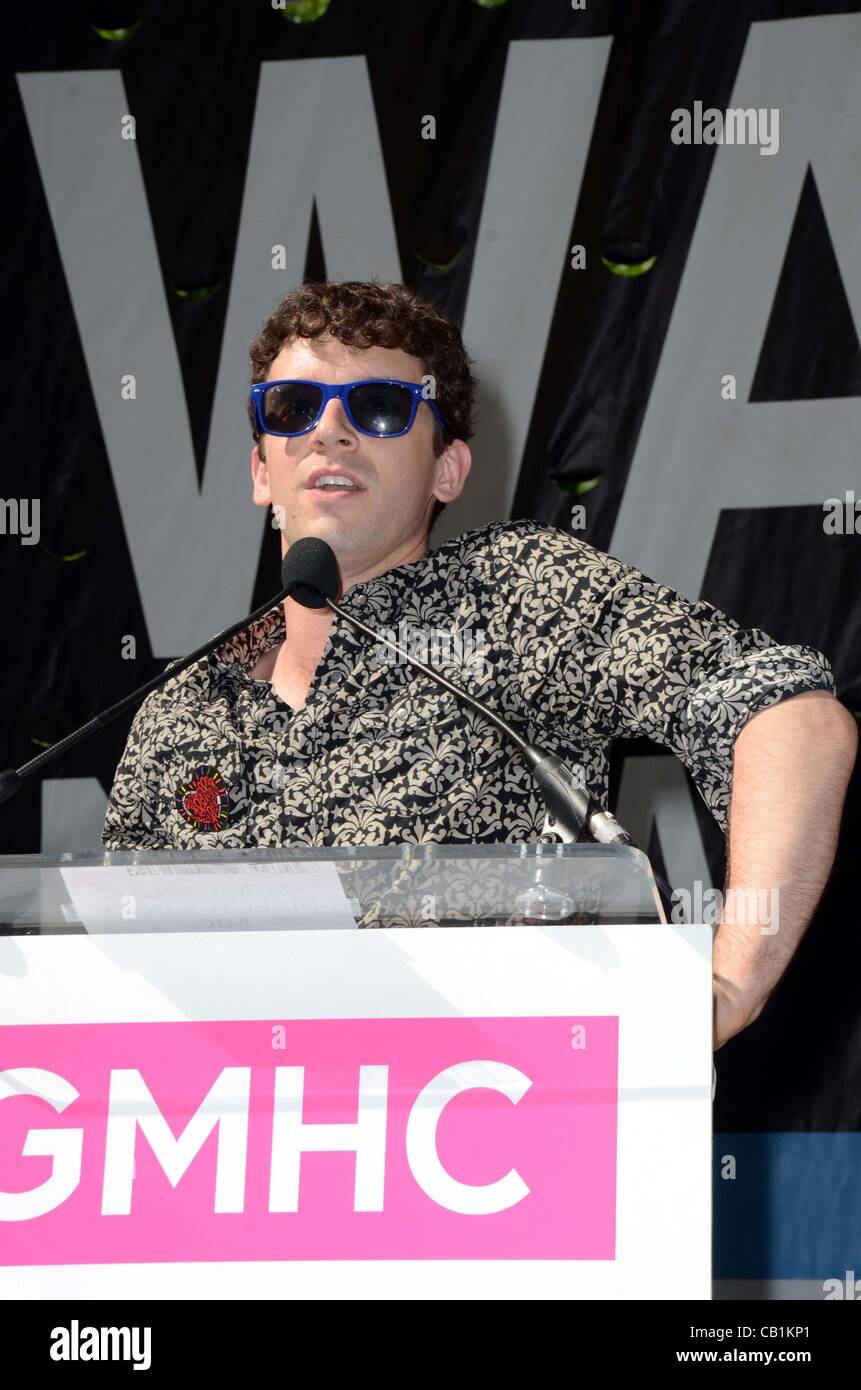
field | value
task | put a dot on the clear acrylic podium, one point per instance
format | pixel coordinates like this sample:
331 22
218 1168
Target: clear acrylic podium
252 1074
391 886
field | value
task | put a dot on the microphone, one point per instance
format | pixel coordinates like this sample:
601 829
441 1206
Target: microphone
14 778
310 575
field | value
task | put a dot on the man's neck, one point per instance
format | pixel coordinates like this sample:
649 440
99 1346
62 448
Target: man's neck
307 629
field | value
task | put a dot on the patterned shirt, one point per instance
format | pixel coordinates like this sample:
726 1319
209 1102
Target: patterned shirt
570 645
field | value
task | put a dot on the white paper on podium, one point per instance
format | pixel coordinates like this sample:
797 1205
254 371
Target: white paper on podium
209 897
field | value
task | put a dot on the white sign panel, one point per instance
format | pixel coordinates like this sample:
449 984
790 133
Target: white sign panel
458 1113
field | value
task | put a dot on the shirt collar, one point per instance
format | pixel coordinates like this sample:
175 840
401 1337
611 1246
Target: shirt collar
373 600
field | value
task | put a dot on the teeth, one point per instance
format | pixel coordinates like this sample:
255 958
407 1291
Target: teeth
334 481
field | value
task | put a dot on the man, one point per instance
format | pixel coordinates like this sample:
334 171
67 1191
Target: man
302 730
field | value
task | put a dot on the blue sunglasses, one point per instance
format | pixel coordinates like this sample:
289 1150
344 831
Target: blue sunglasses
379 406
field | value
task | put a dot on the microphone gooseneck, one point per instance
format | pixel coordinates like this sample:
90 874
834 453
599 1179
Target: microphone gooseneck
311 576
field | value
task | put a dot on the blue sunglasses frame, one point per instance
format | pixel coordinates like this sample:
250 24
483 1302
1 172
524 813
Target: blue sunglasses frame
329 392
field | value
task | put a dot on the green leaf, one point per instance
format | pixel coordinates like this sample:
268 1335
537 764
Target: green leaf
581 486
67 559
304 11
628 271
117 35
437 265
197 293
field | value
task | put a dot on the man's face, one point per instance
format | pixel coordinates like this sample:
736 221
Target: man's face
386 520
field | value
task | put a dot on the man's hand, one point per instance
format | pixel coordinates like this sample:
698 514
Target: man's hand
791 767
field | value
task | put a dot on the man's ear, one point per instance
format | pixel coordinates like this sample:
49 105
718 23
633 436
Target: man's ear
260 490
452 469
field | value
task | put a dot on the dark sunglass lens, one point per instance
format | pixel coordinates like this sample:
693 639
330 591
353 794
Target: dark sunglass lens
290 407
381 408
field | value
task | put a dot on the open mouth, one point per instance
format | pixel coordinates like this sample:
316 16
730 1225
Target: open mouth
331 483
329 493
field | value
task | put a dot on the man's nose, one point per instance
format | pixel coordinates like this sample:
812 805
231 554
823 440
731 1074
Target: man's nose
334 422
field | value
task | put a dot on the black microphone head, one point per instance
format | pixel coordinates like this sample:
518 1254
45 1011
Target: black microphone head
310 572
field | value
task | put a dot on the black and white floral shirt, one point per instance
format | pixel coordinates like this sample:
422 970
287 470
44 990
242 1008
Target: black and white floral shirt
572 646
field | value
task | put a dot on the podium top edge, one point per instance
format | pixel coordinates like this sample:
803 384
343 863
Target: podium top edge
337 854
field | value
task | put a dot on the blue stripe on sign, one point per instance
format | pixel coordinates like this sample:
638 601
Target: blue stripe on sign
793 1209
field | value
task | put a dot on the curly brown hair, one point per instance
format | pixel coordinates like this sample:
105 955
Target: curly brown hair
366 313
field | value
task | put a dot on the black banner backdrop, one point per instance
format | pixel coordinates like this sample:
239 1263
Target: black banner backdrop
191 74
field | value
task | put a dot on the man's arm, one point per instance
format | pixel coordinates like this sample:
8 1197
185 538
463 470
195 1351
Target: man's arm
791 766
643 660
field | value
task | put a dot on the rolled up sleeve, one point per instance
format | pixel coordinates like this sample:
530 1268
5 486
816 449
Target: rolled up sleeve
685 675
